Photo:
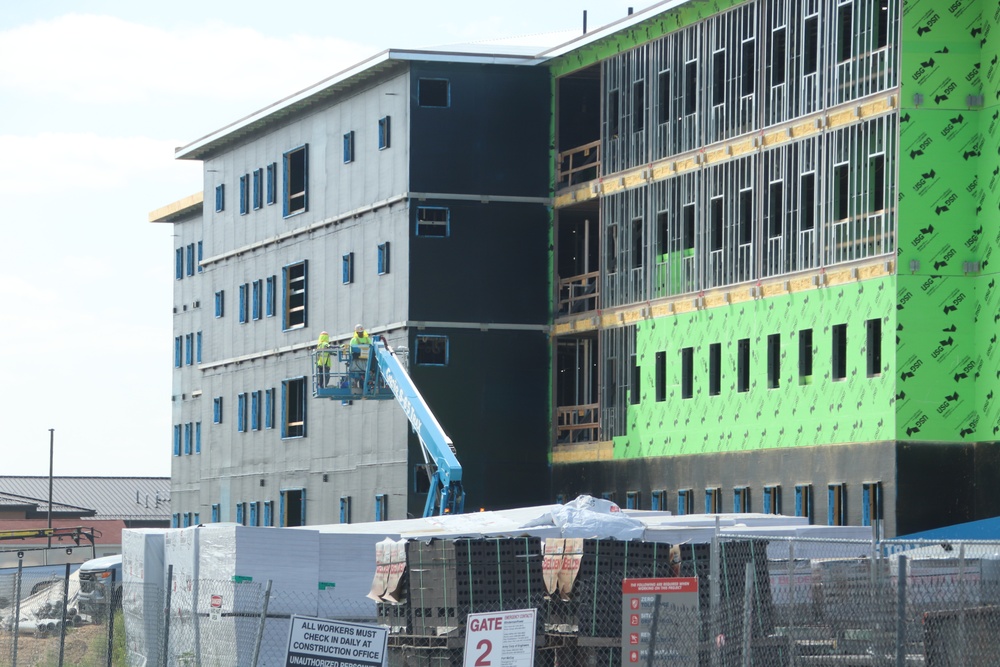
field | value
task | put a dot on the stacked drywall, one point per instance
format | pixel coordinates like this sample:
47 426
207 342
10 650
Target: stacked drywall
142 591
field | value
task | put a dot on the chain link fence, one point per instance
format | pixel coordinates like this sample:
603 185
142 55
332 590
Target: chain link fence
47 619
735 602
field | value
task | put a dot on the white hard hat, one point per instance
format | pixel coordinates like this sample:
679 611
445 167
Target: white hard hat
358 328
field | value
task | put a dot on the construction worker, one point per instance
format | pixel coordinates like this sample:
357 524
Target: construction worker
361 336
323 361
358 346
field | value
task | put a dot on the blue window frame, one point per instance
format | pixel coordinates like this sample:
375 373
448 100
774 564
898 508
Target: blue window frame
220 197
433 93
433 221
244 303
270 295
239 513
345 509
871 503
244 194
741 499
296 181
220 303
197 347
348 268
269 408
431 351
175 520
217 410
257 301
608 495
381 507
178 351
179 264
268 512
186 520
685 500
215 512
383 258
772 499
293 408
196 519
190 259
241 413
803 500
289 499
254 513
713 500
201 256
836 504
658 500
349 147
294 301
255 410
189 350
177 439
188 438
631 500
272 183
383 133
258 189
197 437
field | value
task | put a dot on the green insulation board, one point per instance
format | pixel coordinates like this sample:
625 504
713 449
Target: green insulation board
800 411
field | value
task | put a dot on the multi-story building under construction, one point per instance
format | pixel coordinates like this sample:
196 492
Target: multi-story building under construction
774 227
766 245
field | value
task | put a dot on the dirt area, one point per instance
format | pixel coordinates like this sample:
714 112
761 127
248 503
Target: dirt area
85 645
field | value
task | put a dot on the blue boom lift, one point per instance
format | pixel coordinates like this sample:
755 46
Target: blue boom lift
376 372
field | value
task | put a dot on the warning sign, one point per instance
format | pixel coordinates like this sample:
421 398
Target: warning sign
318 642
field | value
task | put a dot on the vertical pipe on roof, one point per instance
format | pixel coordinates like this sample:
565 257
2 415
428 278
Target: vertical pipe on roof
584 21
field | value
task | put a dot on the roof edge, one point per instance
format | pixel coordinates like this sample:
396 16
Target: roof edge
181 208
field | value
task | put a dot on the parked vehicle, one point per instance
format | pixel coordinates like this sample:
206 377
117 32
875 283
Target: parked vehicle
100 586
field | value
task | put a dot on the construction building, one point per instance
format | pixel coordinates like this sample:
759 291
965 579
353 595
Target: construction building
773 250
752 245
393 195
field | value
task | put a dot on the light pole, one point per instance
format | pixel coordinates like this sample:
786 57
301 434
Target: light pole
52 438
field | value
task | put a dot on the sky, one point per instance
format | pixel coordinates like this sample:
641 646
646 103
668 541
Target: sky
94 98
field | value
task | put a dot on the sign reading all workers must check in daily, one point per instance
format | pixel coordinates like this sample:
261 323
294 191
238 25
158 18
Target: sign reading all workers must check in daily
501 639
660 622
318 642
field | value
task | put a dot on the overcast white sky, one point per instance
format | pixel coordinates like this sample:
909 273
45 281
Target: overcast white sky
94 97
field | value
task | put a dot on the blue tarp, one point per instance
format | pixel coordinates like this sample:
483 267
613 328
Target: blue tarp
985 529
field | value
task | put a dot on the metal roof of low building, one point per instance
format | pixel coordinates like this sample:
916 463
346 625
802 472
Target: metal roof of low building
124 498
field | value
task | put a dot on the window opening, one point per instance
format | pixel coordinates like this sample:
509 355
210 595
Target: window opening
836 512
244 303
772 499
805 356
258 189
345 509
774 361
215 513
808 206
177 439
688 227
269 513
220 197
663 98
743 365
272 183
383 258
748 76
613 113
433 221
190 259
810 45
803 501
658 500
841 180
713 500
293 507
383 133
690 87
431 351
241 413
220 303
347 268
638 106
661 377
269 408
778 57
294 278
776 197
876 183
741 499
296 181
716 216
839 357
845 31
873 347
685 500
634 384
871 504
632 500
293 400
349 147
718 78
179 264
433 92
746 217
217 410
381 507
714 369
270 296
257 299
687 372
255 401
244 194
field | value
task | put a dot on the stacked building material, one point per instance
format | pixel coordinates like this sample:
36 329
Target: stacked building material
449 579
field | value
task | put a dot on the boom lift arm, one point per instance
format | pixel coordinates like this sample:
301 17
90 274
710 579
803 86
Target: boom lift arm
378 373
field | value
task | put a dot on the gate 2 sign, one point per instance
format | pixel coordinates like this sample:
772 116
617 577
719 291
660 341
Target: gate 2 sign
500 639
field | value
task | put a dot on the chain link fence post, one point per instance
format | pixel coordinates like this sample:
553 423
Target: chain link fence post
111 617
17 608
62 619
263 620
164 660
901 612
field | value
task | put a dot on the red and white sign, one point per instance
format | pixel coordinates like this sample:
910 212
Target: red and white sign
501 639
